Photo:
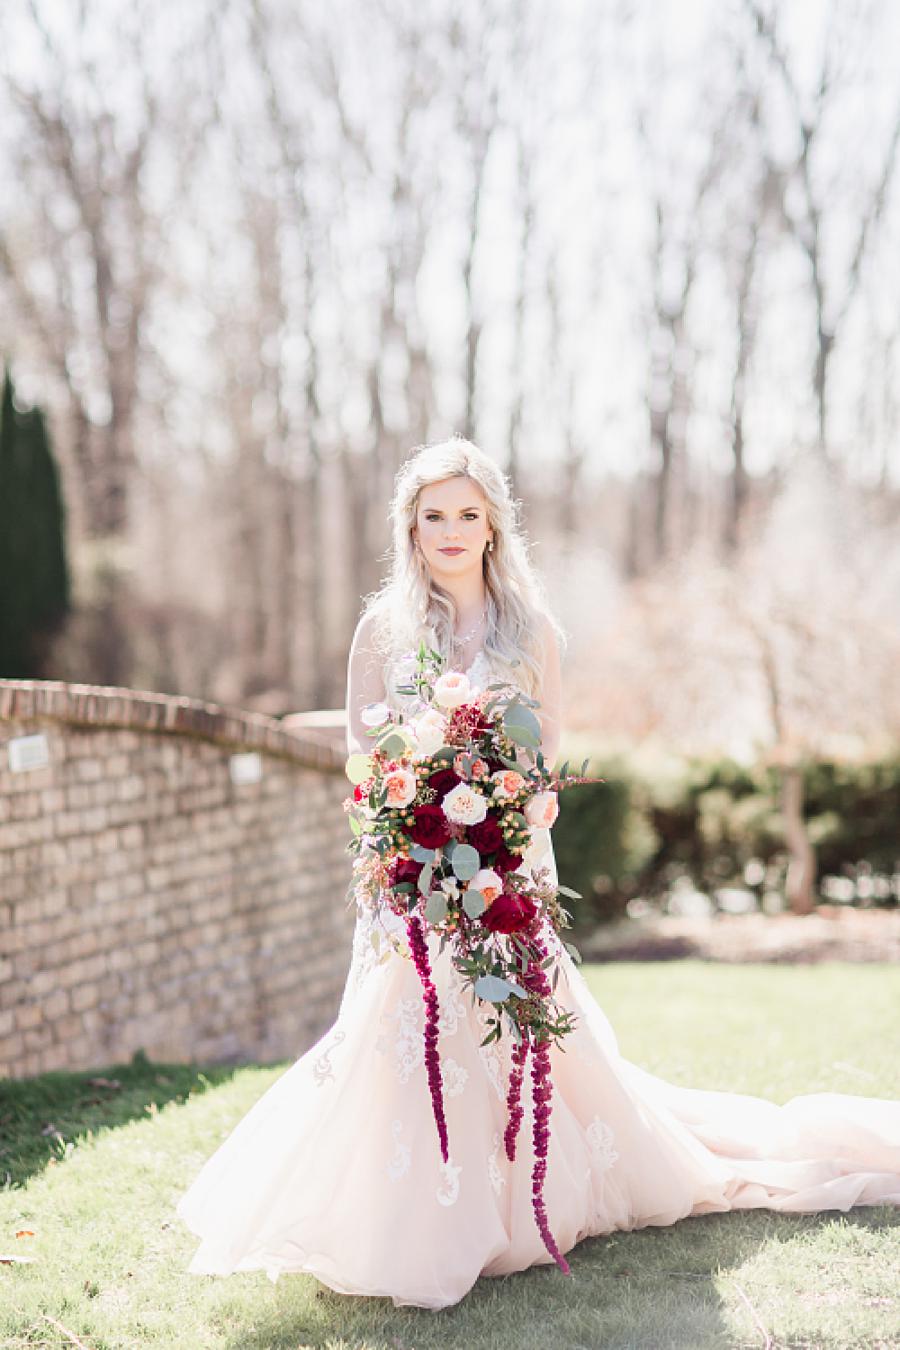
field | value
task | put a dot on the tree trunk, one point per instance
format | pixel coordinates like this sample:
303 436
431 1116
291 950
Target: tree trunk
801 873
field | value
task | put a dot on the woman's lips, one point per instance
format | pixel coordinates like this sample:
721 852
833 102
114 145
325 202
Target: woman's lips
452 550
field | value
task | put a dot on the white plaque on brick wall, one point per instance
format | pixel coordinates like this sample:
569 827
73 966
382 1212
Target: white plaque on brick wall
28 752
245 768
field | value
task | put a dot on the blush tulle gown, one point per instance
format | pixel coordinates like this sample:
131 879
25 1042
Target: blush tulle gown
336 1171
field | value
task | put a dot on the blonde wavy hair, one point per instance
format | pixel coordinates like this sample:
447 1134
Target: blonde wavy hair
410 605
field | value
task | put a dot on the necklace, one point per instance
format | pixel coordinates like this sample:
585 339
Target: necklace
472 631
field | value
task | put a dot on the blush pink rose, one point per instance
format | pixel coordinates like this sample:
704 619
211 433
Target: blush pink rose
542 809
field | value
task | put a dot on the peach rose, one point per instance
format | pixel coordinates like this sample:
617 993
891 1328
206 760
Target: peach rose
507 782
542 809
489 882
400 786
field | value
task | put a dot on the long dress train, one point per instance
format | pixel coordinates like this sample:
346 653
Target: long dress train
336 1169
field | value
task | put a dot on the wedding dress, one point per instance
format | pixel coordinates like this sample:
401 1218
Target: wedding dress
337 1171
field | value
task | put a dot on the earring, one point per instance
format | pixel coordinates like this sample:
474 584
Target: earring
490 546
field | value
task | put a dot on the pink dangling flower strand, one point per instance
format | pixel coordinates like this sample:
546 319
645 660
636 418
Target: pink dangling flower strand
514 1112
419 949
542 1093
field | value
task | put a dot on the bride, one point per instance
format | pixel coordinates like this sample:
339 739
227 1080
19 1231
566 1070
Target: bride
336 1170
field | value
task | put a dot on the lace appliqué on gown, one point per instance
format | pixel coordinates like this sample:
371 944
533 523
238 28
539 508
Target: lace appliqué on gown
495 1176
401 1160
448 1191
322 1070
601 1139
454 1077
409 1043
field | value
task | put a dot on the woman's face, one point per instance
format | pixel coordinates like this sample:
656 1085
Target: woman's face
452 515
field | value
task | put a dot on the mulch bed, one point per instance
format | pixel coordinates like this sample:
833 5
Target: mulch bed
831 933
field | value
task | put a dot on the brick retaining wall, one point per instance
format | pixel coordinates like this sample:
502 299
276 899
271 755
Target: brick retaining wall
155 897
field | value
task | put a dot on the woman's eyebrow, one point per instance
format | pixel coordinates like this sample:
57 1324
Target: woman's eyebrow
440 512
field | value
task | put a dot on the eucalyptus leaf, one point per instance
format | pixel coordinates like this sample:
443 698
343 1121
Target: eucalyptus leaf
567 890
495 989
436 907
573 952
522 719
394 743
465 862
474 903
421 854
355 825
425 876
446 752
358 768
523 736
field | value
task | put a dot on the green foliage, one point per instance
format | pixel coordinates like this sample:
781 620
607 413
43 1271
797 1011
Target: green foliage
34 577
657 818
602 840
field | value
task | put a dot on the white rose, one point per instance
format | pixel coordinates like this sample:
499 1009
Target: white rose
465 806
429 731
452 689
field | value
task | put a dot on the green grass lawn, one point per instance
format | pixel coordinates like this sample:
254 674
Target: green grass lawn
94 1172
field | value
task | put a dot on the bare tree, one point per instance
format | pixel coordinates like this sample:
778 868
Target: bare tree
809 194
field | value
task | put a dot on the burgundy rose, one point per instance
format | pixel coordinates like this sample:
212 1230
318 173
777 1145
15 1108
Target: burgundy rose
505 861
486 836
509 913
443 781
431 828
404 869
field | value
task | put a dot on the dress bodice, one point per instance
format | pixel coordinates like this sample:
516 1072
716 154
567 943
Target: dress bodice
400 670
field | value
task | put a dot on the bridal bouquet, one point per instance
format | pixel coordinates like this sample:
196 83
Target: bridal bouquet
442 814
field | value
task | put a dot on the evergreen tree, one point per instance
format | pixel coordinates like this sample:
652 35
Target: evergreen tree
34 576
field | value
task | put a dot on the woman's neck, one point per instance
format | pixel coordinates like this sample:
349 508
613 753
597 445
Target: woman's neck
470 598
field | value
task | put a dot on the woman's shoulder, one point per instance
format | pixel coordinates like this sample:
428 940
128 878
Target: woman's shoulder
366 629
373 630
